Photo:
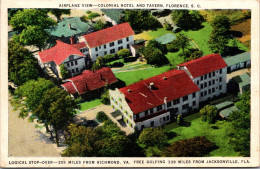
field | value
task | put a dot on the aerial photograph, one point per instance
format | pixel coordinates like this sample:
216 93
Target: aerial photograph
129 82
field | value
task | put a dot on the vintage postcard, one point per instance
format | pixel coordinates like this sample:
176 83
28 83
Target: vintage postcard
129 83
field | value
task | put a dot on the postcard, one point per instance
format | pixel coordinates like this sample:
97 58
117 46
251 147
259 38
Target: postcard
129 83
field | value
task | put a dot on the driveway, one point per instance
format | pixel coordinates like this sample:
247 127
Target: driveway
237 73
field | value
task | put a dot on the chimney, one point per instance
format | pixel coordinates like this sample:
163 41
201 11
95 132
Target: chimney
151 85
165 78
129 90
71 40
165 102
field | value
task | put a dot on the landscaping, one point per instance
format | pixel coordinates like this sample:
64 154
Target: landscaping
90 104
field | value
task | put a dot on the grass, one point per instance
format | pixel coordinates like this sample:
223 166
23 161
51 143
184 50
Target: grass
220 136
90 104
149 35
174 59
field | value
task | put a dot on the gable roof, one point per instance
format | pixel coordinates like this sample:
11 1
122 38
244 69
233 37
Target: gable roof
167 38
108 35
114 14
69 27
79 45
169 84
89 81
242 57
228 111
59 53
204 65
224 104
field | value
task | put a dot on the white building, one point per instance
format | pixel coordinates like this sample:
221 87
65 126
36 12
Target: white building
62 53
157 100
108 41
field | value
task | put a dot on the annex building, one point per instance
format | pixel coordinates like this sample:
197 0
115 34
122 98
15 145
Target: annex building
157 100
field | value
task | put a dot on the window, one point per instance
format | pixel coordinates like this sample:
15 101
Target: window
194 103
127 46
105 46
213 73
209 75
168 118
201 86
175 110
146 113
159 108
213 82
68 65
99 47
71 63
220 71
119 41
205 93
121 47
205 76
201 77
169 104
185 98
151 110
220 79
72 70
77 70
112 51
209 91
205 84
96 48
127 39
96 55
198 82
209 83
111 44
185 106
220 87
164 118
137 116
76 62
193 95
152 123
201 94
213 90
105 52
142 127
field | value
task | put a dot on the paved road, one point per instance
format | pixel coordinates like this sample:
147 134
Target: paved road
27 141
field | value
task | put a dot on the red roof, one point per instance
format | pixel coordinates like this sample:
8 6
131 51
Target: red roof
79 45
204 65
108 35
173 84
89 80
59 53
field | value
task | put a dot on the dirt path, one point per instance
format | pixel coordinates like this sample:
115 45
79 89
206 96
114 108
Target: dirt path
24 140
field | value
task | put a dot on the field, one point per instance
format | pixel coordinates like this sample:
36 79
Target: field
90 104
218 134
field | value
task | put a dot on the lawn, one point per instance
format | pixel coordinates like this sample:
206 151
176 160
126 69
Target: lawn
174 59
149 35
90 104
199 128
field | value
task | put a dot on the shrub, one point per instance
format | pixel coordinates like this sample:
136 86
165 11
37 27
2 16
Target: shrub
180 119
88 12
116 64
105 98
209 113
130 59
194 147
110 58
101 116
123 53
172 47
167 26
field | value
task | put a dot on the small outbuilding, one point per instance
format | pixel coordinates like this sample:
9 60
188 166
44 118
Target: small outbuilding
238 61
165 39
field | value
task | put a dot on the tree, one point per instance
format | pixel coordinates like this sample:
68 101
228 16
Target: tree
194 147
186 19
63 71
167 26
101 116
220 34
99 25
155 44
209 113
93 15
153 56
193 54
123 53
59 12
180 119
22 66
105 97
141 20
182 41
152 137
31 25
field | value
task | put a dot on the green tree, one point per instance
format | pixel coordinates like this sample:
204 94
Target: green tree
194 147
209 113
155 44
180 120
124 53
99 25
182 41
153 56
167 26
105 98
101 116
91 16
152 137
59 12
22 66
63 71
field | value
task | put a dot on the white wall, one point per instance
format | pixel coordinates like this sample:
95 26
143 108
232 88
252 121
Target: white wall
81 64
109 20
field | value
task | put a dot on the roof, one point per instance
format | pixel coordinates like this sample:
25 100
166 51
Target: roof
108 35
243 81
89 80
204 65
232 60
59 53
63 28
79 45
227 112
167 38
224 105
114 14
169 84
